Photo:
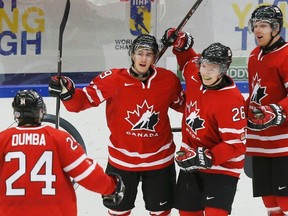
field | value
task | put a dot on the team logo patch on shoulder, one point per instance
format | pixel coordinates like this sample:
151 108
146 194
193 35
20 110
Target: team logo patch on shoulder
144 117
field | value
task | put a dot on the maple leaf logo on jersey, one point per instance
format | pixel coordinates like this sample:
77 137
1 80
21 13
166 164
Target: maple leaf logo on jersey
143 118
193 120
259 92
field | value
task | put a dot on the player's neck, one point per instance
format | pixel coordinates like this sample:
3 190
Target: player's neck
141 77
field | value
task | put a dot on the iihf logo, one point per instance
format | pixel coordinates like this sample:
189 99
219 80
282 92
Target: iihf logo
193 119
143 117
140 17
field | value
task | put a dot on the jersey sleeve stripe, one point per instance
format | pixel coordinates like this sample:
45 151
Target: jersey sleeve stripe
231 130
235 141
240 158
99 93
86 172
75 163
87 95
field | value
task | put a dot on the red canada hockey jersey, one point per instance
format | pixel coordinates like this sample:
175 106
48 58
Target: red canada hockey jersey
137 115
35 166
268 83
214 119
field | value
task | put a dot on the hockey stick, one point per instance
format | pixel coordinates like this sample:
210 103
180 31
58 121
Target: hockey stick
180 26
59 70
177 129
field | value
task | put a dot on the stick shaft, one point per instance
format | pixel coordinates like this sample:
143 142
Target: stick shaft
59 68
181 25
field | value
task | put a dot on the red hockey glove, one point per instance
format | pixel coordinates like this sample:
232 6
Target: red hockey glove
190 159
181 41
186 160
267 116
117 196
63 87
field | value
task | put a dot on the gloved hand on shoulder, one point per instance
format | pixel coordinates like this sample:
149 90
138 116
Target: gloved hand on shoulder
117 196
191 159
62 86
181 41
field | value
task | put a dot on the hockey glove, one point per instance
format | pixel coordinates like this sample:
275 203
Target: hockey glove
266 116
191 159
63 87
117 196
181 41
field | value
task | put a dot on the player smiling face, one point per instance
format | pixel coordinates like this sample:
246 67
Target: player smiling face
214 63
210 73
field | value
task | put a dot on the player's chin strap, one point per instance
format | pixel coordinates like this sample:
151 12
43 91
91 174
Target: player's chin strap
133 73
276 45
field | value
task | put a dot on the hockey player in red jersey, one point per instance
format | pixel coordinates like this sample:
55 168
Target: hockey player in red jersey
37 162
141 142
211 156
267 136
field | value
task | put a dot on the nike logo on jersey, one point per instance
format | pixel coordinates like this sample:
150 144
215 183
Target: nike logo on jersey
209 198
163 203
251 55
281 188
128 84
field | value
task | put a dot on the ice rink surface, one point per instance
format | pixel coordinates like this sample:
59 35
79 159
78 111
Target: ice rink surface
91 124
